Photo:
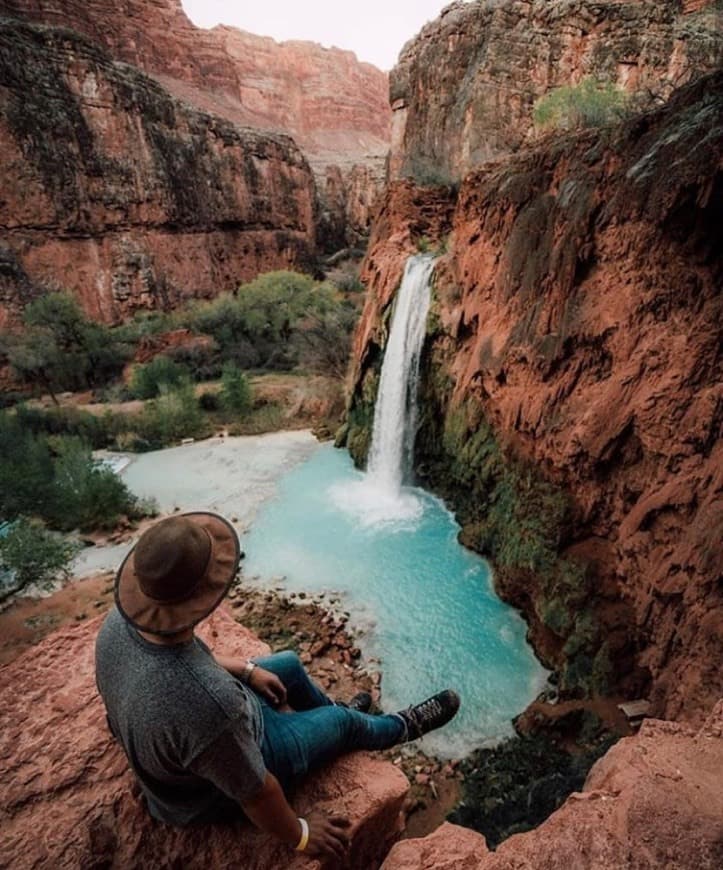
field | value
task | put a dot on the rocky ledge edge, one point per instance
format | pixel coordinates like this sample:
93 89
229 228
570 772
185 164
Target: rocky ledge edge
68 799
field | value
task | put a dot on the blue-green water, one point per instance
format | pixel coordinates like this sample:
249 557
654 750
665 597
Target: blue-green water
433 618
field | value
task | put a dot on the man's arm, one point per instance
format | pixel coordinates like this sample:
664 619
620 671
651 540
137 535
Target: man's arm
270 811
260 680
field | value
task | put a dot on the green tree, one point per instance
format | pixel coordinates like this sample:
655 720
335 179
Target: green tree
26 470
32 554
85 493
60 349
236 395
148 381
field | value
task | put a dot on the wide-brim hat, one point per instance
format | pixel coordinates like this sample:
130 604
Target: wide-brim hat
145 596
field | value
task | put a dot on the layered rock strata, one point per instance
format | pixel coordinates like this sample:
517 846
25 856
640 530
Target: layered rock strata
335 107
653 801
131 199
465 87
576 328
69 800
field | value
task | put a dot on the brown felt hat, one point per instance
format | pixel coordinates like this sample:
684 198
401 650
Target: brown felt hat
177 573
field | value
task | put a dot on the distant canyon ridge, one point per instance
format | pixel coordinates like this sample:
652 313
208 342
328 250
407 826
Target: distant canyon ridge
147 161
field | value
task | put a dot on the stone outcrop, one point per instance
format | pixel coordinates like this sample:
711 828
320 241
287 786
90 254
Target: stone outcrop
335 107
577 315
653 801
127 197
68 799
465 87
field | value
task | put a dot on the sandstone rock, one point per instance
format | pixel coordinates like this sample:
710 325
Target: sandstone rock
68 799
653 801
125 196
335 107
579 313
464 89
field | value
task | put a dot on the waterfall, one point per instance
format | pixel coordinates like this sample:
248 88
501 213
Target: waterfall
395 413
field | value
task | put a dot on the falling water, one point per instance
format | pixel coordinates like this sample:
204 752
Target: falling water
395 414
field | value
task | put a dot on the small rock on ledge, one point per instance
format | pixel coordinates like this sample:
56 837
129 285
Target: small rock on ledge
68 799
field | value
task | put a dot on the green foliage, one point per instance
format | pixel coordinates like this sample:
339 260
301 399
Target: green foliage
60 349
86 494
518 784
160 373
209 402
34 555
587 104
174 415
236 396
97 431
56 478
260 326
323 340
26 470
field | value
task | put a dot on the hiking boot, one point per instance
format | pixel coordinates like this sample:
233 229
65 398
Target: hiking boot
361 702
430 714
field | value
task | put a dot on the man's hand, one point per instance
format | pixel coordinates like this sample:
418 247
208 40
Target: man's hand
260 680
268 685
328 837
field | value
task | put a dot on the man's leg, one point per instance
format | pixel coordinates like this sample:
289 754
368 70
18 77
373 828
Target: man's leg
295 743
302 693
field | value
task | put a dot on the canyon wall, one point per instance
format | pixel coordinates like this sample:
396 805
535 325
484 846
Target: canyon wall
465 87
572 405
126 196
335 107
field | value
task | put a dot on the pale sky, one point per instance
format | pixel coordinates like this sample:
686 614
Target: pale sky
375 30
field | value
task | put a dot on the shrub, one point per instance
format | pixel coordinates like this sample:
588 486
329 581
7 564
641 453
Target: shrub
34 555
85 493
98 431
235 391
60 349
587 104
174 415
148 380
258 326
26 470
209 402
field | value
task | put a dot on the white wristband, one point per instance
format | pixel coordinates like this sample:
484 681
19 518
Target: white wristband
304 841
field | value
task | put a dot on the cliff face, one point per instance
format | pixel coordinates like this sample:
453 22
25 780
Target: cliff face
576 327
653 801
76 803
127 197
464 89
335 108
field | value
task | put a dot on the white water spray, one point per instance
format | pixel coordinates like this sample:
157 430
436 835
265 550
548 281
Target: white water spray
395 413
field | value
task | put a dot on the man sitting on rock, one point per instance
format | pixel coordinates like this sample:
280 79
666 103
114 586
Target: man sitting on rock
206 734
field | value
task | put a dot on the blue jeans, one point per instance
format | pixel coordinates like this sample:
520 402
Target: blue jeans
318 731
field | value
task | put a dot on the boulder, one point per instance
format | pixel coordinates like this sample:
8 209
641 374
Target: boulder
69 799
653 801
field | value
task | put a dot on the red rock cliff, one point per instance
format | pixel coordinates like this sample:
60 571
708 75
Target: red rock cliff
464 88
653 801
69 799
129 198
578 311
335 107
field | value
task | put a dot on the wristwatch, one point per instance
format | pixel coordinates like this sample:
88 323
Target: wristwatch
246 673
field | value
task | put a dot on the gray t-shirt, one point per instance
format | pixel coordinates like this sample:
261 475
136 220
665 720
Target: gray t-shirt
191 731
